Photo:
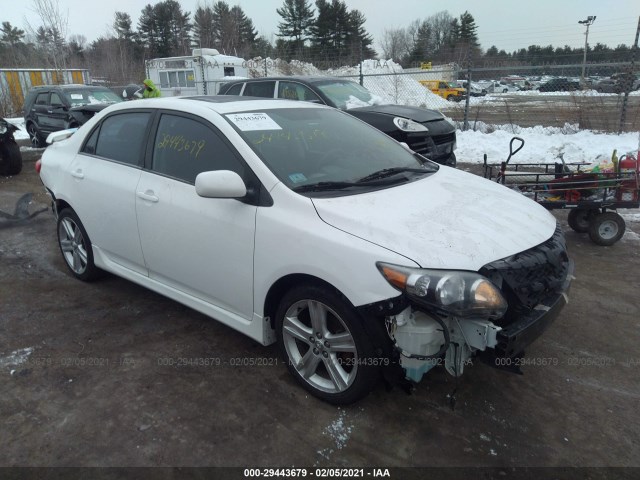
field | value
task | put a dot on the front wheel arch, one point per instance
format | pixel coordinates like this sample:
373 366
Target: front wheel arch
279 289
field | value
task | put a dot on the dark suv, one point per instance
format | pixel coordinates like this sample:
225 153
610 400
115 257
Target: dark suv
426 132
50 108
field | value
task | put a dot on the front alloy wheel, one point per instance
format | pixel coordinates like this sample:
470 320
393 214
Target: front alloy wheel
325 346
34 136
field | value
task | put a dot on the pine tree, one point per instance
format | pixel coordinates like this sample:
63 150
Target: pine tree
467 30
297 21
203 35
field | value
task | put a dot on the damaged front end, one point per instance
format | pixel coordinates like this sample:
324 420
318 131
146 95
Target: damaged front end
448 317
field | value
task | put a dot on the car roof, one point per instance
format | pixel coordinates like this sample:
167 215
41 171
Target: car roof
70 86
221 104
300 78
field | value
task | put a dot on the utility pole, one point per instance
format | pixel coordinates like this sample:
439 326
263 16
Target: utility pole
587 23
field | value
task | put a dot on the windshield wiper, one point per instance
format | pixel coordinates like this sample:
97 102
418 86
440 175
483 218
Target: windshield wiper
322 186
388 172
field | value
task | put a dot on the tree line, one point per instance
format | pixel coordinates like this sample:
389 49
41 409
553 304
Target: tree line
325 33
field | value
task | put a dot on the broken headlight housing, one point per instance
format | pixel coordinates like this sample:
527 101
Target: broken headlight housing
454 292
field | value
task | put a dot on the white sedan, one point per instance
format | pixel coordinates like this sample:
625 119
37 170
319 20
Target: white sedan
297 223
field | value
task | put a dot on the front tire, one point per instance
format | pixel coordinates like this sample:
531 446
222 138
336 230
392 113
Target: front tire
75 246
325 347
35 136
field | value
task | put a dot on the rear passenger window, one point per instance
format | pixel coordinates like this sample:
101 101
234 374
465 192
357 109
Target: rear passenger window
121 138
259 89
235 90
185 147
296 91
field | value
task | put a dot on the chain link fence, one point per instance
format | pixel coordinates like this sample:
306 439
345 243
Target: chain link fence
538 96
606 98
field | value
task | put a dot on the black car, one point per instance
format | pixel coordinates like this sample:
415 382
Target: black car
50 108
559 85
10 156
425 131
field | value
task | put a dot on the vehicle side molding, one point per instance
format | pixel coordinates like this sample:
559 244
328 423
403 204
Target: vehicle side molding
220 184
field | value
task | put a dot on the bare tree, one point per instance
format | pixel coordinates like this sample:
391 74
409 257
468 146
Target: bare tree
56 23
394 43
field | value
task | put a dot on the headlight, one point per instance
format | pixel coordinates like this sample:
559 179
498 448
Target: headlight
459 293
407 125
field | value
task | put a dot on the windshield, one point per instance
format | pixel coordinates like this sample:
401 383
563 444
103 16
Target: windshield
305 147
345 94
86 96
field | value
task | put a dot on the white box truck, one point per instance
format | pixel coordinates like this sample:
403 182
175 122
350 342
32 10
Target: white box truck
199 74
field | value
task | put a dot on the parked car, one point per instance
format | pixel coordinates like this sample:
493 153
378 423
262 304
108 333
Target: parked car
618 83
607 85
49 108
474 89
299 224
559 85
491 86
10 156
425 131
447 90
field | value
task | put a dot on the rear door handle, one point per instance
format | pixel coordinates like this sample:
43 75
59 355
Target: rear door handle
78 174
148 196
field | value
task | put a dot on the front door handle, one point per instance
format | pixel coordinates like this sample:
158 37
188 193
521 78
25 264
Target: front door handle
148 196
78 174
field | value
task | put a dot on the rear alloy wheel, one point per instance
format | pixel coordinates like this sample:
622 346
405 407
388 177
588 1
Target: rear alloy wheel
75 246
34 135
324 344
606 228
580 218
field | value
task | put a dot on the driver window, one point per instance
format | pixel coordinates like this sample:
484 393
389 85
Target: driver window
56 101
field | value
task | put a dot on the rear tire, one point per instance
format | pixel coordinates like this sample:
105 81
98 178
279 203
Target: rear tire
324 344
75 246
606 228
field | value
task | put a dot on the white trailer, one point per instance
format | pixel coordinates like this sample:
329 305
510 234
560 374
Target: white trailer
199 74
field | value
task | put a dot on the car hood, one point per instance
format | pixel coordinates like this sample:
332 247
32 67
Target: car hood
451 219
91 107
416 114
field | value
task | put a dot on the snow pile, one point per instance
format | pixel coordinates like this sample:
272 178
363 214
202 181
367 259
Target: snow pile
281 68
543 145
381 79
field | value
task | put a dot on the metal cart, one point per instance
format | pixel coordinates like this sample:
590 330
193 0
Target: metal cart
590 196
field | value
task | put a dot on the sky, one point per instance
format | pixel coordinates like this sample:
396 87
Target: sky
507 24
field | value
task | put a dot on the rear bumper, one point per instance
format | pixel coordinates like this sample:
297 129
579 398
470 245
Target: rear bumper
516 336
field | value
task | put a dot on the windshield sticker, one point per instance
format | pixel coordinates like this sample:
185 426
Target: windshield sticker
297 177
253 121
76 96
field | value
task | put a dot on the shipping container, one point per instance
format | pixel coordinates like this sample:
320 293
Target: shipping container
16 82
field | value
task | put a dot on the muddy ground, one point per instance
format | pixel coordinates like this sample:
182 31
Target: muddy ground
85 378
